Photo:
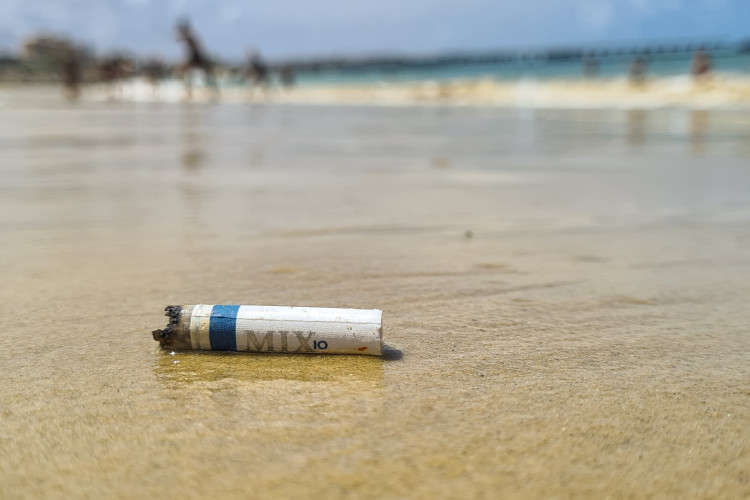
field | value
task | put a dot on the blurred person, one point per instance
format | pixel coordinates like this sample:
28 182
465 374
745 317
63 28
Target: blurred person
195 59
590 65
257 72
638 69
287 76
70 72
153 72
700 65
112 71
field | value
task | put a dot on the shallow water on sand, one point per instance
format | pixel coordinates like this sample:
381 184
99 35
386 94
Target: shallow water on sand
568 289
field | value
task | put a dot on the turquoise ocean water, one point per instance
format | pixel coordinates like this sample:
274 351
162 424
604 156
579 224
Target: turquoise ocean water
730 61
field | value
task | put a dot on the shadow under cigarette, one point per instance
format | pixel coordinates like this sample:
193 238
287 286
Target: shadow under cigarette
391 353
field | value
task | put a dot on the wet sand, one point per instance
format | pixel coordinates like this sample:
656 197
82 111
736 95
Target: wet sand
568 290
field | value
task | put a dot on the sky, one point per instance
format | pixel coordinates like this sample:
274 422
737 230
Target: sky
321 28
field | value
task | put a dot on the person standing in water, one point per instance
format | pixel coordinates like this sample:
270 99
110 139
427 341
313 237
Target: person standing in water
590 65
153 71
638 69
287 76
195 59
700 66
258 73
112 71
71 75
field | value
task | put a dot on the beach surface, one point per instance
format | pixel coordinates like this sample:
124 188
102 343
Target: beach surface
567 291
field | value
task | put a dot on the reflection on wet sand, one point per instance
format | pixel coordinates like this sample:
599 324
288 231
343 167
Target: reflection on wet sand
267 400
636 127
193 154
699 124
242 368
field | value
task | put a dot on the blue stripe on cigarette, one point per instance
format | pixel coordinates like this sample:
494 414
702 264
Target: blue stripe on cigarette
221 330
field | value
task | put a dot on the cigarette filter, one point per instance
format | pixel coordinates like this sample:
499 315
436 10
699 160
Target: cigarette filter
272 329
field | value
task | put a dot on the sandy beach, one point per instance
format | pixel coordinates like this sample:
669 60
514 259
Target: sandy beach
568 290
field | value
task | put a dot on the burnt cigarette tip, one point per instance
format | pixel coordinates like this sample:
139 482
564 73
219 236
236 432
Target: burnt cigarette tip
174 317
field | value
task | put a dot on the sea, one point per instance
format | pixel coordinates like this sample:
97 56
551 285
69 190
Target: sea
731 61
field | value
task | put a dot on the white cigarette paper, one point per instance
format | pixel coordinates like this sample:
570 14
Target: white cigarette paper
272 329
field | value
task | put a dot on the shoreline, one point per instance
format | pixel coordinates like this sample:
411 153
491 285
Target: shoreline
721 91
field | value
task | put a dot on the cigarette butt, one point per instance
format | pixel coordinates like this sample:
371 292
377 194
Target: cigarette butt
272 329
